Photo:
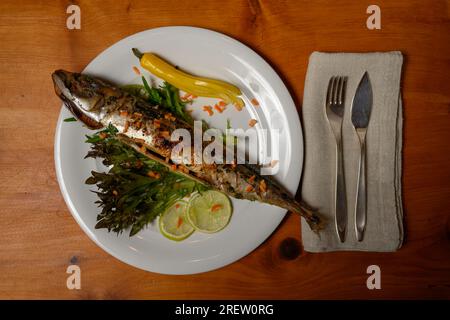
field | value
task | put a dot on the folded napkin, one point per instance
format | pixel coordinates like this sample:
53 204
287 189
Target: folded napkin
384 228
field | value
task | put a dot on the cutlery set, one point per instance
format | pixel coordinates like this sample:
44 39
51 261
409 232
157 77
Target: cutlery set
360 116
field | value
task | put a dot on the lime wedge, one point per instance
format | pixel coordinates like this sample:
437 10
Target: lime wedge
209 211
174 224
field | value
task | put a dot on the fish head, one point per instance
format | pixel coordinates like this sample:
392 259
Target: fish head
83 95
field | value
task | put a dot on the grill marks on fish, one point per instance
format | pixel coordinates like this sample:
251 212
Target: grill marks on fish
147 128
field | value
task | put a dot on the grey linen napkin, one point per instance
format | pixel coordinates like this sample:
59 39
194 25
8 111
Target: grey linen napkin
384 229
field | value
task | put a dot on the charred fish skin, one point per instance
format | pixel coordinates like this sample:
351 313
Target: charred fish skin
148 128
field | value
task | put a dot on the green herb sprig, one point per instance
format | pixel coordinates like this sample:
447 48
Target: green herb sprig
135 189
166 96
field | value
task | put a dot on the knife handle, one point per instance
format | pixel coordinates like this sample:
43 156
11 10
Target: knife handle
361 201
341 199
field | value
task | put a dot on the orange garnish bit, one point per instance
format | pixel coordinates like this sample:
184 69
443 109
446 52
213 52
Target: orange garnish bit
136 70
143 149
208 109
222 103
251 179
254 102
216 207
177 205
123 113
249 188
165 134
174 167
103 135
219 109
262 186
185 96
238 107
179 222
188 97
252 122
156 123
152 174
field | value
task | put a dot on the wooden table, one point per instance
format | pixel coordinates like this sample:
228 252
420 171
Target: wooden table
39 237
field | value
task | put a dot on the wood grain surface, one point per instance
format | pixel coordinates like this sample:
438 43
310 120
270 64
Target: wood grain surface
39 238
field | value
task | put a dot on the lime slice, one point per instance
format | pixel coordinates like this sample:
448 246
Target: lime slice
209 211
174 224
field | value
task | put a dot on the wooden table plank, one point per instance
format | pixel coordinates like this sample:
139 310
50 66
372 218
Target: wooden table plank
40 238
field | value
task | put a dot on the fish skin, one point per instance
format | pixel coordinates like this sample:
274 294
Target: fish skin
147 128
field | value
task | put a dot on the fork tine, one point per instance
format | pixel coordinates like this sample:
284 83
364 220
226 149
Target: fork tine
340 87
335 85
329 91
344 87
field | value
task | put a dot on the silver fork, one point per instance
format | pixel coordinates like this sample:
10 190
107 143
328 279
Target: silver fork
334 106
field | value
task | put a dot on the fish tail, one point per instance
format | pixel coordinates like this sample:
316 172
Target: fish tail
312 216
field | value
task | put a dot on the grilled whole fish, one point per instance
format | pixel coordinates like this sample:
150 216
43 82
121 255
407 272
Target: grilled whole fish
148 127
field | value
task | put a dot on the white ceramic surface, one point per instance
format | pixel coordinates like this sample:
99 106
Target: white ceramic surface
205 53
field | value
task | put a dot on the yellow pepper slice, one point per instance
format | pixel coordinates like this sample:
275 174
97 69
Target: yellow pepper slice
198 86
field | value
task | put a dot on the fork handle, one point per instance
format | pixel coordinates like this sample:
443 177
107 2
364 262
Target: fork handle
341 200
361 201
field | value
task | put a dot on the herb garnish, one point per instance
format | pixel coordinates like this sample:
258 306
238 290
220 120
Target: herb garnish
136 189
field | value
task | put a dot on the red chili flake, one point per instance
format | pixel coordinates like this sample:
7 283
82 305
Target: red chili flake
208 109
153 174
219 109
216 207
136 70
252 122
179 222
262 186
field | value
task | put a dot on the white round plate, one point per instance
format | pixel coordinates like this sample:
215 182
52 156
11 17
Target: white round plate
211 54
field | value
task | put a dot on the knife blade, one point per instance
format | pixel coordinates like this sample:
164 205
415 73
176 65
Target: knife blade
361 111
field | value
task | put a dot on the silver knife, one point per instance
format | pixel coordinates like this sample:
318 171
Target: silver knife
361 110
